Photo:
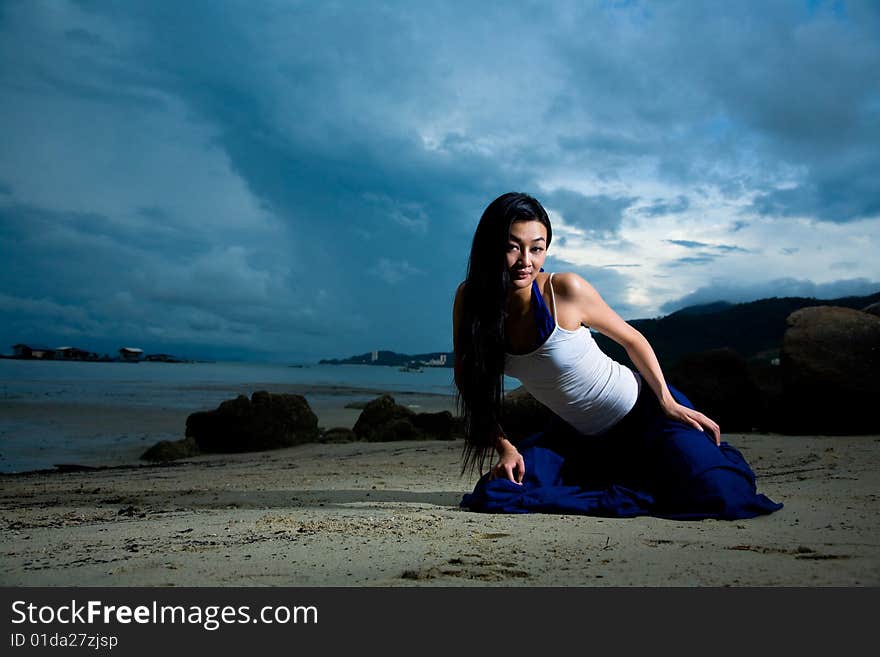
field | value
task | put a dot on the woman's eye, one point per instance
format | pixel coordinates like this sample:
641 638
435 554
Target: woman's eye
537 249
512 247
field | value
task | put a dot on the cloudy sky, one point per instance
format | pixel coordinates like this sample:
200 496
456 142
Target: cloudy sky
289 180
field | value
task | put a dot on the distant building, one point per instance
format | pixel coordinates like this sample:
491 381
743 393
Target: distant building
33 351
440 361
374 356
132 354
72 353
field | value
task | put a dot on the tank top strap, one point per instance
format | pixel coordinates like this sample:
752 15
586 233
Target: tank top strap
553 298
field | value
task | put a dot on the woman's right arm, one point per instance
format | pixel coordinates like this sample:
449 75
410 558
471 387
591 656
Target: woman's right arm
510 463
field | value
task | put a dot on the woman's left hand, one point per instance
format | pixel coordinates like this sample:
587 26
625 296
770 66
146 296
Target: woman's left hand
693 418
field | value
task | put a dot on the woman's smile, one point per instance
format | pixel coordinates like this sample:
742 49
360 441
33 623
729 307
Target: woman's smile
526 250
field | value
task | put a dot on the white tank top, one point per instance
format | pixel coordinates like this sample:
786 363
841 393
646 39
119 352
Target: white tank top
575 379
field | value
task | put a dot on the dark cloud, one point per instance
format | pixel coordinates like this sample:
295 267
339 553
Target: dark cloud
367 139
849 198
661 207
688 244
723 248
150 283
598 215
730 248
84 37
701 259
153 212
743 99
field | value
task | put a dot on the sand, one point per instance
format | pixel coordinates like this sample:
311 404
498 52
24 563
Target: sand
386 514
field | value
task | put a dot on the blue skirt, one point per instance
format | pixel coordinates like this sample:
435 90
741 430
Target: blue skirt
647 464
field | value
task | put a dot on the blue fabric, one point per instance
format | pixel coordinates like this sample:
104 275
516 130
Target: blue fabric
647 464
544 321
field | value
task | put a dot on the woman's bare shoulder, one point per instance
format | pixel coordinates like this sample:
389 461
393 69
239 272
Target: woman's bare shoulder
569 284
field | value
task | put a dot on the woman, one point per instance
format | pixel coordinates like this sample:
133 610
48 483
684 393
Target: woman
628 443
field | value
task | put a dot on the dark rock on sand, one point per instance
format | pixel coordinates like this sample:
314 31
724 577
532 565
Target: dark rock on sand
383 419
720 385
397 429
440 425
522 415
830 362
171 450
265 421
767 375
378 415
873 309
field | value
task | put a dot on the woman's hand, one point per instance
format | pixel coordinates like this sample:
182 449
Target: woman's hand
693 418
510 466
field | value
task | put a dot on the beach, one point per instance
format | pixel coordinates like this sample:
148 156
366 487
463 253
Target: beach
386 514
369 514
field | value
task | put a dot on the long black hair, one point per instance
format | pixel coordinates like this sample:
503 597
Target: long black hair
480 344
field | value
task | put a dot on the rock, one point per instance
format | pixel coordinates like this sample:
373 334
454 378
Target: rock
383 419
397 429
265 421
767 375
873 309
171 450
440 426
378 415
338 435
522 415
719 384
830 362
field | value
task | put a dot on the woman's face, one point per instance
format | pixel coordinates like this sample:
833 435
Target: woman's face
526 250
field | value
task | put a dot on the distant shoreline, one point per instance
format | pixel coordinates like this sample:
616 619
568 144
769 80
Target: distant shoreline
101 360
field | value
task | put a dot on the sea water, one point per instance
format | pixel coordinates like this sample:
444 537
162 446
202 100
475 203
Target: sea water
36 435
189 385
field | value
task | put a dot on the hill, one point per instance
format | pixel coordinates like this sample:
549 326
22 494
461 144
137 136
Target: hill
752 329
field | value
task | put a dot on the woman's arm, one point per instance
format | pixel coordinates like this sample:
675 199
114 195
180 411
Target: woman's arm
511 464
595 313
